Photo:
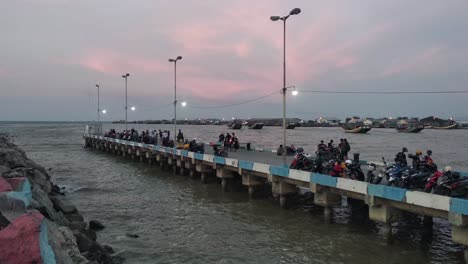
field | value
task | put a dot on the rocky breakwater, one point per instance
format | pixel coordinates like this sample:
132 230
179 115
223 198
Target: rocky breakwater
37 223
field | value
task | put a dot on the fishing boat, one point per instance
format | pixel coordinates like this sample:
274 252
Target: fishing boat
257 126
291 125
409 127
452 126
358 129
235 125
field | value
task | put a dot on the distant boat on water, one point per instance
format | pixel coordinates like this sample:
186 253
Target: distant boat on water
256 126
409 127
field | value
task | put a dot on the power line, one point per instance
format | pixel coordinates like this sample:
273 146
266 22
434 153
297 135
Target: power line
236 104
382 92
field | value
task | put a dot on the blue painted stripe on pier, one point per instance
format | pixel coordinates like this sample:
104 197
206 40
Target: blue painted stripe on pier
219 160
388 192
464 173
246 165
279 171
198 156
184 153
459 206
325 180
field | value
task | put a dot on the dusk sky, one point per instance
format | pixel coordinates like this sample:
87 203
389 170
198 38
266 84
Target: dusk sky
53 52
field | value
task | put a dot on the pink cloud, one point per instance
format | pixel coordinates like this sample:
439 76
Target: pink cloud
111 62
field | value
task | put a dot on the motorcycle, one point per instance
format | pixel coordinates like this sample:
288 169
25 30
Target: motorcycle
302 161
354 172
452 184
220 151
371 177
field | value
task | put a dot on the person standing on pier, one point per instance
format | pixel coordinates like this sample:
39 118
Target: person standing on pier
180 136
346 149
221 138
227 141
235 141
160 134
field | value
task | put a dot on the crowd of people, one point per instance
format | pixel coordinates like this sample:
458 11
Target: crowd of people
230 142
418 161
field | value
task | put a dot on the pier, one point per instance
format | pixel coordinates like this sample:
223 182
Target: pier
256 169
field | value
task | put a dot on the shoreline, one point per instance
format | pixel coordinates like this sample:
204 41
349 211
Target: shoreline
38 220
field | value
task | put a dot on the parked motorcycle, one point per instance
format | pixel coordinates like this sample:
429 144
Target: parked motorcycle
302 161
371 176
354 172
452 184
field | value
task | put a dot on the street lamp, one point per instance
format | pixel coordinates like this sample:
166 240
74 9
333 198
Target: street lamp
125 76
104 111
98 110
133 108
175 95
295 11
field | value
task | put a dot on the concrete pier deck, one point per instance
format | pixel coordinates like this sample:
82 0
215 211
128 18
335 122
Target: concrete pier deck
257 168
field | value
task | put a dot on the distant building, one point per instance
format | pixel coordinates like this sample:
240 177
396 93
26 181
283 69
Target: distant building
328 120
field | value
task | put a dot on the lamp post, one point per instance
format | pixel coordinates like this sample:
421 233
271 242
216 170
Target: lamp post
98 110
295 11
175 95
125 76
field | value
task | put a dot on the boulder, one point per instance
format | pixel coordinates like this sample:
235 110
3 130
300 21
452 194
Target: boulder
90 234
83 242
63 205
4 222
108 249
4 185
42 203
96 225
74 217
4 170
78 225
69 245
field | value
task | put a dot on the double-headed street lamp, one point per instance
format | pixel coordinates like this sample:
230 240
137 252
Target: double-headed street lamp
98 110
125 76
175 96
295 11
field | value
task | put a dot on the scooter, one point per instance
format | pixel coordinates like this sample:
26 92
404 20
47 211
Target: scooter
354 172
371 177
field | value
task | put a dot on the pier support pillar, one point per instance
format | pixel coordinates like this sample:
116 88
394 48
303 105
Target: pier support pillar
381 212
203 169
427 222
323 197
148 157
180 164
283 189
225 175
459 224
251 182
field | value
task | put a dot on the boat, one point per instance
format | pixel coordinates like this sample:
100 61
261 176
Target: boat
235 125
358 129
291 125
409 127
257 126
452 126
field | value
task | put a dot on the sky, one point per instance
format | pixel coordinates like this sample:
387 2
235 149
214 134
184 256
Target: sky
54 52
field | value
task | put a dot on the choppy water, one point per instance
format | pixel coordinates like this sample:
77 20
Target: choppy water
183 221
